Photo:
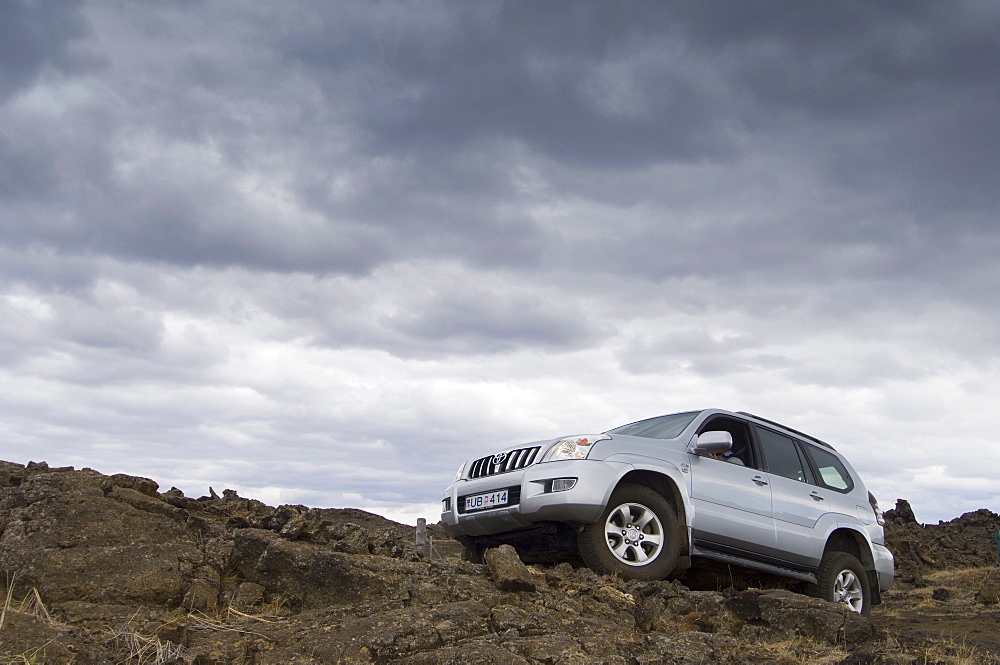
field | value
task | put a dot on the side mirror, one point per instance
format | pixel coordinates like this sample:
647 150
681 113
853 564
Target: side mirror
710 443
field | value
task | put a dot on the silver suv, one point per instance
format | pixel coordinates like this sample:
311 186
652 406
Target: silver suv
661 495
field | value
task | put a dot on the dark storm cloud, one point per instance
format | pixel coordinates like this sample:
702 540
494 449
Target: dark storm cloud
429 311
396 130
46 270
531 73
893 97
36 39
35 36
893 105
466 321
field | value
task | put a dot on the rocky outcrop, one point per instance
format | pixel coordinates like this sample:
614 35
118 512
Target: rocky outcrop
969 541
108 569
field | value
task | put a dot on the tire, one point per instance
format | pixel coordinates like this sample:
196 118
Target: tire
473 553
841 579
635 537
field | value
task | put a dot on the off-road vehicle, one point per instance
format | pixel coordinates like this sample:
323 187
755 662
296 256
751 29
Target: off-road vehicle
658 496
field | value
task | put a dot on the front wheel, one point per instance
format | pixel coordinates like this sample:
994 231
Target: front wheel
841 579
635 537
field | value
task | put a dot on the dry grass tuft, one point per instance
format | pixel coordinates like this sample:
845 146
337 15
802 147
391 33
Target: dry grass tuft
135 648
941 652
201 621
32 657
952 652
962 584
31 604
800 651
6 603
964 578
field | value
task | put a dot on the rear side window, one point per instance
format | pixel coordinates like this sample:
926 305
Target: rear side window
832 472
782 455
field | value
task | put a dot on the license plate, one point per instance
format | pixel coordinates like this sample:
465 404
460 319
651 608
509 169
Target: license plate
484 501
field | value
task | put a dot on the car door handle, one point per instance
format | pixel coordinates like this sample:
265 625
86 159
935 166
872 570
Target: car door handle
816 496
759 480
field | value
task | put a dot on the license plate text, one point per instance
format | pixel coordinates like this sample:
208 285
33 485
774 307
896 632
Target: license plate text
484 501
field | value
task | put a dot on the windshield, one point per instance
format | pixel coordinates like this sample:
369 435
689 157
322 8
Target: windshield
661 427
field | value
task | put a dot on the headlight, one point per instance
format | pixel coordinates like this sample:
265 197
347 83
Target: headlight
461 470
573 447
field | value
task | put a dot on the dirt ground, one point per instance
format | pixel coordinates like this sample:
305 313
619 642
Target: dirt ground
955 610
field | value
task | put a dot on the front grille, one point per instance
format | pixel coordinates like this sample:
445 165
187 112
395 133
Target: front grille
513 460
513 498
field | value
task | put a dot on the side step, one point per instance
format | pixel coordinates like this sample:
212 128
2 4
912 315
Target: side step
755 565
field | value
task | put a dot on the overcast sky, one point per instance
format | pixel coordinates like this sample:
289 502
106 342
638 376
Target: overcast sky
322 252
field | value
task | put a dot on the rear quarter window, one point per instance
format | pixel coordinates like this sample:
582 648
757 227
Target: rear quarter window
832 472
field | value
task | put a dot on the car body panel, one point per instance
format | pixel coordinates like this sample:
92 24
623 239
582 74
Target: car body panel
669 469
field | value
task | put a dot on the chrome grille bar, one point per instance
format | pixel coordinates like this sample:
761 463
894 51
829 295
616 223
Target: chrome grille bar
512 460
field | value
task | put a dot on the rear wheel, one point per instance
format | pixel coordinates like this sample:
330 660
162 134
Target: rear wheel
635 537
841 579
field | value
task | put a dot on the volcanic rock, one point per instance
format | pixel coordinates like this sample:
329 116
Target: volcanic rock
102 569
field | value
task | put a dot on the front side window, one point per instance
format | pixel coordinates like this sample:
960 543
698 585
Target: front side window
781 455
661 427
832 472
741 452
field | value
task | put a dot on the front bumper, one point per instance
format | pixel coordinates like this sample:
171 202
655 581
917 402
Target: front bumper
537 503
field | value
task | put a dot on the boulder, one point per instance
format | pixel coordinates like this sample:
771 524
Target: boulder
780 614
83 536
303 576
507 570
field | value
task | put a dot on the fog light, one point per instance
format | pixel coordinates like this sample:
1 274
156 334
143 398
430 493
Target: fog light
563 484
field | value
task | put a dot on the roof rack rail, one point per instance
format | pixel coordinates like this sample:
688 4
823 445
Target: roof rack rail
786 427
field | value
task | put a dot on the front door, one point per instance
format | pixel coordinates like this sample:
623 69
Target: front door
732 497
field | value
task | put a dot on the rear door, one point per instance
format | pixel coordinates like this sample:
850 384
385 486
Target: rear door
797 503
